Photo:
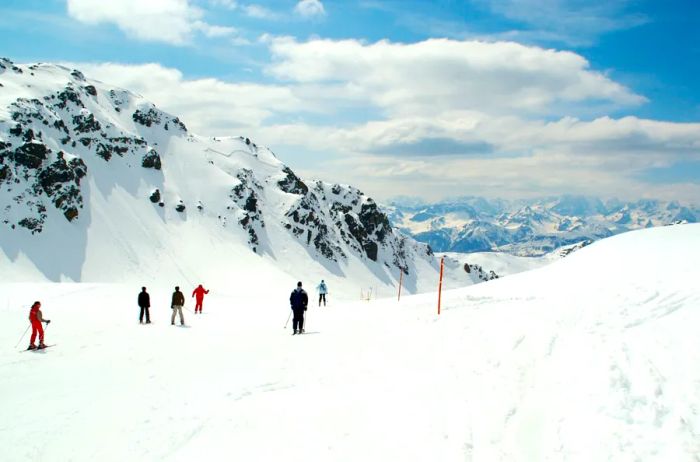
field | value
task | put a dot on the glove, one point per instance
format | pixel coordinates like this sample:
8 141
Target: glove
48 321
304 308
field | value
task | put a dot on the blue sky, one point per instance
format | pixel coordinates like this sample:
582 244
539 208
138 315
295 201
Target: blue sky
502 98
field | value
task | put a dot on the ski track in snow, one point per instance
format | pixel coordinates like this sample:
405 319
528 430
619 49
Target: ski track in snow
556 364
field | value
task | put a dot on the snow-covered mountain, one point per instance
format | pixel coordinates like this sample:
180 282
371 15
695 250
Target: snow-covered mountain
98 184
530 227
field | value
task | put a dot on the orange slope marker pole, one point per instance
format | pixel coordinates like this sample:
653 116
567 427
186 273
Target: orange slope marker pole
442 267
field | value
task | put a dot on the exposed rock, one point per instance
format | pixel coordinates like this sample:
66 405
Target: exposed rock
307 222
86 123
179 123
180 207
245 197
5 173
104 150
147 118
374 220
292 184
31 224
155 196
31 155
151 160
78 75
69 95
60 181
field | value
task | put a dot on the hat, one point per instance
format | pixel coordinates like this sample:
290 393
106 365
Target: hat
299 284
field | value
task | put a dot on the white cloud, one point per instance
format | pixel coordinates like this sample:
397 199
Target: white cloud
629 137
260 12
214 31
169 21
207 106
447 118
502 156
230 4
573 22
438 74
310 8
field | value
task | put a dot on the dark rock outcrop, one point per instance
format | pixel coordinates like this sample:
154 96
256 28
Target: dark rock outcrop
151 160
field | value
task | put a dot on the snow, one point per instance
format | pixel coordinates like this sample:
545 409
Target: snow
503 264
594 357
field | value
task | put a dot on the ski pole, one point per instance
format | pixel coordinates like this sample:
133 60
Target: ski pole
25 333
285 324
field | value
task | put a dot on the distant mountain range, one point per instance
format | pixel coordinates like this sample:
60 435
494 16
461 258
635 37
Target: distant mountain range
529 227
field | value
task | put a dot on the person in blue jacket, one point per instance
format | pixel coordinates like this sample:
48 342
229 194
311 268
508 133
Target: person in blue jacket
322 291
299 300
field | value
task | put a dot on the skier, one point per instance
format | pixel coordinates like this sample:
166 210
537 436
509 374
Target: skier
145 305
322 291
298 300
177 304
36 318
199 292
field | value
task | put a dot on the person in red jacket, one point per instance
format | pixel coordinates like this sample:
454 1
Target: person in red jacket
199 292
36 318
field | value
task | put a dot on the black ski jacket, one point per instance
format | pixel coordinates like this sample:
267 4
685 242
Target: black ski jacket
298 299
144 300
178 299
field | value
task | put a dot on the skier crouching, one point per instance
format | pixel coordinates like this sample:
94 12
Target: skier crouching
36 318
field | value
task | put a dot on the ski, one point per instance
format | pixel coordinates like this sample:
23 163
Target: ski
39 349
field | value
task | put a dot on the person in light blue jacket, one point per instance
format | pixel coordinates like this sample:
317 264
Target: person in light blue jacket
322 291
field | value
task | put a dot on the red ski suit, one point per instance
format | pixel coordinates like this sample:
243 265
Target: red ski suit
199 292
37 328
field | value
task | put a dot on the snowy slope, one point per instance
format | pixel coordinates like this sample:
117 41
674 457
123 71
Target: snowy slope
595 357
99 185
489 265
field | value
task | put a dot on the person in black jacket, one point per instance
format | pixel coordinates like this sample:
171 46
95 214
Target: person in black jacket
145 304
177 304
298 300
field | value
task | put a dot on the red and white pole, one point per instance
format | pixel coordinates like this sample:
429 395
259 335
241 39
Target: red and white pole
442 267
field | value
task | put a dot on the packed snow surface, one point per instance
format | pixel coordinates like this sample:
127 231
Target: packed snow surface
594 357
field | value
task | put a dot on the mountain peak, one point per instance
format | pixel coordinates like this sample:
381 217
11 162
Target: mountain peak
80 159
